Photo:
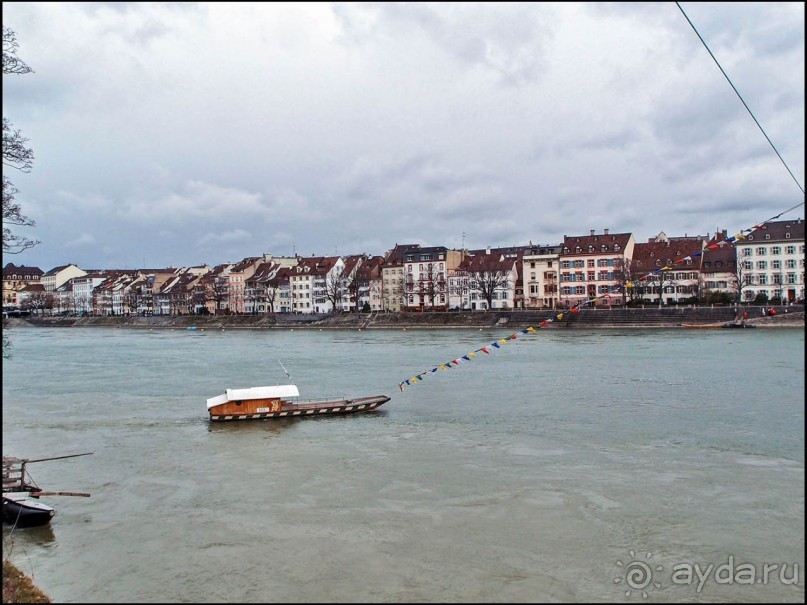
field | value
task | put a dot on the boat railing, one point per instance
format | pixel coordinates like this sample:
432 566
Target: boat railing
302 403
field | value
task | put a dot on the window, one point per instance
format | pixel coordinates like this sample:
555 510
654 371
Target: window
762 264
776 250
762 251
790 249
777 264
790 263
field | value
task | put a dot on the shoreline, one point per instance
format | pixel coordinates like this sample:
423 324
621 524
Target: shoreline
665 318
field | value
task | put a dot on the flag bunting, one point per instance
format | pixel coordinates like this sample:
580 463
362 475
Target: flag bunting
497 344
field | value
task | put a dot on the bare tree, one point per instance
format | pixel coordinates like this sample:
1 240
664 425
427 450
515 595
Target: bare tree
743 278
16 154
220 292
487 282
357 283
335 287
622 275
131 300
660 280
272 288
431 284
37 301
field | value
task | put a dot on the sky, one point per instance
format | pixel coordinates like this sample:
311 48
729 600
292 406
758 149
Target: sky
181 134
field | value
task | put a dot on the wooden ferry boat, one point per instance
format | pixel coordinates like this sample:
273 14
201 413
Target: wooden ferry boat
280 401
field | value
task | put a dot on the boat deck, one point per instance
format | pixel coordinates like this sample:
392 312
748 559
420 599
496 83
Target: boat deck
316 404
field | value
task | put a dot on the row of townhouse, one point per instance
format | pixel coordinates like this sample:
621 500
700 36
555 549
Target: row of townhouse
609 268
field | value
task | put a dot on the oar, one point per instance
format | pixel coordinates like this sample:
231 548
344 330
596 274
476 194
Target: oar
37 494
58 457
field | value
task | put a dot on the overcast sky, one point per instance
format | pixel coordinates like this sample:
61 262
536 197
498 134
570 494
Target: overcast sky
174 134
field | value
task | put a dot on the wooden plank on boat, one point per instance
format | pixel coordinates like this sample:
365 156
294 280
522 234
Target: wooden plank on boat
82 494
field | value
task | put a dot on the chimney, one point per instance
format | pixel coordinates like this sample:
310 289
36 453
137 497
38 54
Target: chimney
605 231
487 250
592 233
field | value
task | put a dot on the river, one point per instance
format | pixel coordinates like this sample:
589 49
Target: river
569 466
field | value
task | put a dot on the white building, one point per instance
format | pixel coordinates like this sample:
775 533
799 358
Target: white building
771 261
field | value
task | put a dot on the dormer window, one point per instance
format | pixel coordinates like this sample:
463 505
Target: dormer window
767 236
591 248
578 249
616 247
603 248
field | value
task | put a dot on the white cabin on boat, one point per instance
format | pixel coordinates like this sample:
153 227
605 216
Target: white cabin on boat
254 400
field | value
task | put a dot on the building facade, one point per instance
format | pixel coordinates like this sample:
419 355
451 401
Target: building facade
771 262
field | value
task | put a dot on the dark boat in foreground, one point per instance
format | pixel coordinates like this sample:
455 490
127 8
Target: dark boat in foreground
22 509
280 401
21 505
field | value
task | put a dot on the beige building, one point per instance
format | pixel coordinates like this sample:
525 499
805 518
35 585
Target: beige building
540 269
15 279
593 266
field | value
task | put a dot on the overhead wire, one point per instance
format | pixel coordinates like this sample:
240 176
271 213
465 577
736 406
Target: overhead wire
737 92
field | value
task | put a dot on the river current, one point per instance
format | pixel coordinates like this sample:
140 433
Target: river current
629 466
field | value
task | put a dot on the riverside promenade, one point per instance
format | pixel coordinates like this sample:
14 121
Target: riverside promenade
586 318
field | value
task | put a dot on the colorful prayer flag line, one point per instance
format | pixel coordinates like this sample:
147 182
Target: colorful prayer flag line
497 344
